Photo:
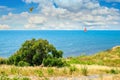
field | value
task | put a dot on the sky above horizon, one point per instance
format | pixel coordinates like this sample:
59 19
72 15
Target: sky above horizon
60 14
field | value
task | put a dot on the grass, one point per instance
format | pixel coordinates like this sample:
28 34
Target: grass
53 71
50 71
44 73
4 76
108 58
84 70
106 62
39 73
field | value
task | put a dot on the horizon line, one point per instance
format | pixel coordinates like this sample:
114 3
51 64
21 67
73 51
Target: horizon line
59 29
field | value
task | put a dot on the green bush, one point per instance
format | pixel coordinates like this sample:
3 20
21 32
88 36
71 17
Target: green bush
22 63
3 61
53 62
35 52
114 71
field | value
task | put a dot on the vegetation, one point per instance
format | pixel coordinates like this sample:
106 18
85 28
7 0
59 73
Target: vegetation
43 73
108 58
4 76
114 71
3 61
72 69
22 63
35 52
54 62
39 73
84 70
50 71
40 52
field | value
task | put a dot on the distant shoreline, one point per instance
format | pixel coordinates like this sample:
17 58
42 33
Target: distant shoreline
52 30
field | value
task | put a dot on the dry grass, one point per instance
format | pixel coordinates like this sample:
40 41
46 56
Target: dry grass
107 58
106 62
41 73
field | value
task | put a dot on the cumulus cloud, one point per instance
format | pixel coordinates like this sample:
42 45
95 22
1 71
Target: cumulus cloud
69 14
72 14
37 19
77 5
16 21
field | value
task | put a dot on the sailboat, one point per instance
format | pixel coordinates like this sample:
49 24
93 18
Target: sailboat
85 29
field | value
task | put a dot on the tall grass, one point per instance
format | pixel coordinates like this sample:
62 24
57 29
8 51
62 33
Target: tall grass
72 69
14 70
50 71
84 70
65 71
39 73
4 76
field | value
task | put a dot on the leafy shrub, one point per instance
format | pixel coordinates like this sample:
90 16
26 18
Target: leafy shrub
33 52
114 71
3 61
22 63
53 62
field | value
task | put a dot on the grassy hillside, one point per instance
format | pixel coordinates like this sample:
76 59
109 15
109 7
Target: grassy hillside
106 62
108 58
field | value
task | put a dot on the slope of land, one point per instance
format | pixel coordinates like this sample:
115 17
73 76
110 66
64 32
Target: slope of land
109 57
101 66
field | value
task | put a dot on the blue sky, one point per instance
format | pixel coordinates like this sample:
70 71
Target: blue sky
60 14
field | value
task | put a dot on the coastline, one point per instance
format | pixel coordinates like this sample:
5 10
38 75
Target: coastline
94 71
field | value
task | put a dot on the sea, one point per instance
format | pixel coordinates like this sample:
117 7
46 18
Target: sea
71 42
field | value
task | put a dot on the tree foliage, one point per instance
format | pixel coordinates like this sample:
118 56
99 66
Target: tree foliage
3 60
34 52
53 62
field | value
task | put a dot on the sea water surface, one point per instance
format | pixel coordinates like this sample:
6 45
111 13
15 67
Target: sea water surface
72 43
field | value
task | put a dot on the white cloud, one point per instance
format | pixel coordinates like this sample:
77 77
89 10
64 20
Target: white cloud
77 5
16 21
37 19
70 14
4 26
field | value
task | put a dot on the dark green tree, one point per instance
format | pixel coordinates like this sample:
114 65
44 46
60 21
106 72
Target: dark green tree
34 52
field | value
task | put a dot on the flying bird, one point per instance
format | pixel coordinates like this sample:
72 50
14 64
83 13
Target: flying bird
31 9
